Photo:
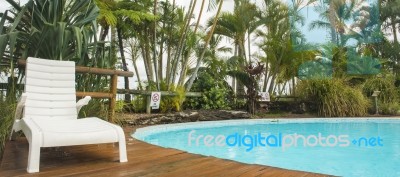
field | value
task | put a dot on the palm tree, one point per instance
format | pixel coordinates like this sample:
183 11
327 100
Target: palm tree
236 26
281 44
335 14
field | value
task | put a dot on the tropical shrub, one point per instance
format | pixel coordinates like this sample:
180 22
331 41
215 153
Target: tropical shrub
139 103
172 103
215 98
217 94
167 103
333 97
388 92
388 98
389 108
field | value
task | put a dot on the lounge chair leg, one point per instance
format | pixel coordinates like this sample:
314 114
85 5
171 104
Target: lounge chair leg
33 158
122 151
122 145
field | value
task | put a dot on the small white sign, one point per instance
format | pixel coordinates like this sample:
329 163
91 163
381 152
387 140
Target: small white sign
264 96
155 100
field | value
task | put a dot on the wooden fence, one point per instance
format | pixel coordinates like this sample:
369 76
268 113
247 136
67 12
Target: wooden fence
148 95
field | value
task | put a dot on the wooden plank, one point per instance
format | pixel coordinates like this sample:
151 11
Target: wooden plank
163 93
90 70
94 94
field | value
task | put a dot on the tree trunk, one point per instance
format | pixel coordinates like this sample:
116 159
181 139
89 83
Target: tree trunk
183 73
294 87
265 80
146 67
160 59
394 31
209 36
155 62
184 62
182 38
249 45
200 14
124 65
113 51
137 75
272 84
104 33
148 58
169 50
168 70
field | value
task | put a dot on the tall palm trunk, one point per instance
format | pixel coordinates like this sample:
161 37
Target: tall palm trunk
146 66
185 66
183 72
181 40
249 45
137 75
264 89
394 31
169 48
161 51
208 39
148 58
155 61
124 65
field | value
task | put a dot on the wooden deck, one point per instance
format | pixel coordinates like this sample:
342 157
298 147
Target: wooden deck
144 160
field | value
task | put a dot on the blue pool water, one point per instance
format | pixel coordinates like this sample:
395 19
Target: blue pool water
352 147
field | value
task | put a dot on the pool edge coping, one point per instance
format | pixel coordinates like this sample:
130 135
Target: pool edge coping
140 133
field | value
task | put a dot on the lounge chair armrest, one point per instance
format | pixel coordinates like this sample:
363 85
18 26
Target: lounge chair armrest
82 102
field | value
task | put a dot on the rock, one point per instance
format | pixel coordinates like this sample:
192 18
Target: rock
187 116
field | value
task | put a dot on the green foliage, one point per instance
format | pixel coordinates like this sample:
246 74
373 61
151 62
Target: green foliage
69 25
172 103
389 93
216 93
333 97
389 108
57 30
388 98
215 98
8 106
119 105
95 108
139 103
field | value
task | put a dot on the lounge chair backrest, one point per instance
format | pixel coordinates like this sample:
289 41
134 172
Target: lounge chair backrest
50 89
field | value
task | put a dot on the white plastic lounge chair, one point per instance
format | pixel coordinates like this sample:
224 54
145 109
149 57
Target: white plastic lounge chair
50 112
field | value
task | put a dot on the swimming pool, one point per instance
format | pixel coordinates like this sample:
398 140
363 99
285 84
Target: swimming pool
340 146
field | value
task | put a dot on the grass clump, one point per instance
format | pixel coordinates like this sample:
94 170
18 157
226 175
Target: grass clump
388 92
388 98
6 121
333 98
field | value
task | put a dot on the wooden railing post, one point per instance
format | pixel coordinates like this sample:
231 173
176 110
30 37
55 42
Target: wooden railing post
148 100
113 91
